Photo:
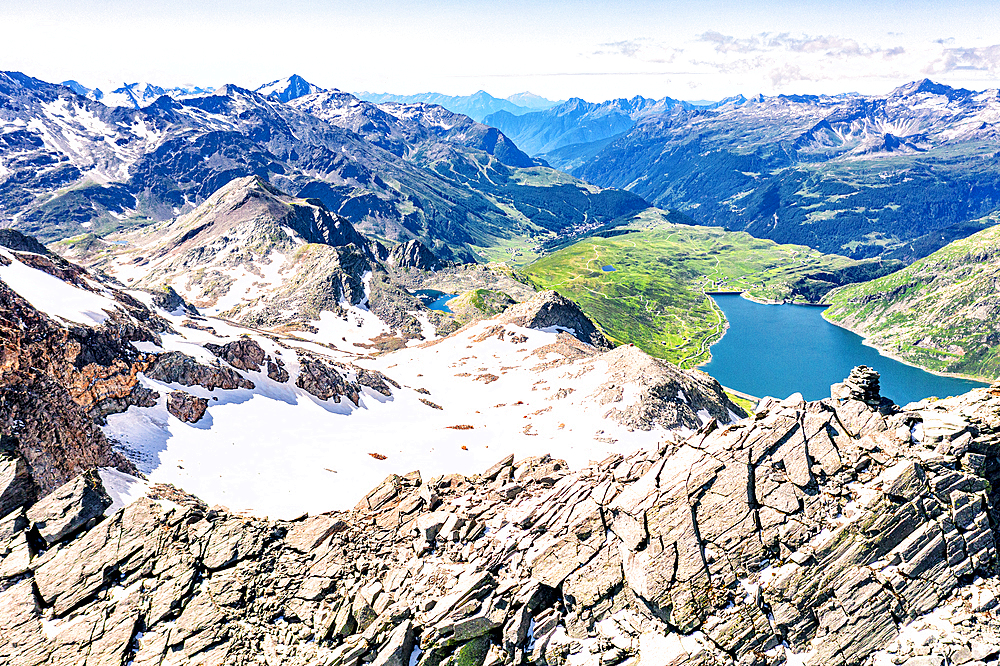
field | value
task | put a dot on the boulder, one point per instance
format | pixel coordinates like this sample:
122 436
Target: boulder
17 488
186 407
397 651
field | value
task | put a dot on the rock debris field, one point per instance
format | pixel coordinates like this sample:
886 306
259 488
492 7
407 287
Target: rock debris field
843 531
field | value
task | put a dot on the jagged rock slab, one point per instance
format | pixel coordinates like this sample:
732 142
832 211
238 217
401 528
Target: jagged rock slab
708 551
69 507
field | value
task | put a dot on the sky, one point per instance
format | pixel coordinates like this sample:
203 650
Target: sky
694 50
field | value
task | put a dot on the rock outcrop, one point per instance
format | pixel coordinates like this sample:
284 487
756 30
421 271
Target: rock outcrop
242 354
59 379
179 368
668 396
815 533
549 309
413 254
166 298
328 379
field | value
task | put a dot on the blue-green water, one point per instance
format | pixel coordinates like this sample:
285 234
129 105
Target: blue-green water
434 299
778 350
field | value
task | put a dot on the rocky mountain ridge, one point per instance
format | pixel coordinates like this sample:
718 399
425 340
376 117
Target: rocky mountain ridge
818 533
72 165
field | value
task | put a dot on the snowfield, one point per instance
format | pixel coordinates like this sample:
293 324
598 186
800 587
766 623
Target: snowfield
279 451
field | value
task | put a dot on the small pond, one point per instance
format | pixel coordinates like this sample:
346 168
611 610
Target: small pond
434 299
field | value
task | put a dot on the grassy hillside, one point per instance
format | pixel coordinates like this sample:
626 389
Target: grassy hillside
942 312
656 295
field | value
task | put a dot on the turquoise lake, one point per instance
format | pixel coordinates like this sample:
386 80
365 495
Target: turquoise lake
778 350
434 299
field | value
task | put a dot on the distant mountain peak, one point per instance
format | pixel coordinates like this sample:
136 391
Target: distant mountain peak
289 88
927 86
138 95
530 100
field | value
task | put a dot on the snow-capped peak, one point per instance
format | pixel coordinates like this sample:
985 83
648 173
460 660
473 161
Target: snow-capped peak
289 88
137 95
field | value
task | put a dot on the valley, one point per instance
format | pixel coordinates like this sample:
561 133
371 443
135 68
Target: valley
656 296
291 376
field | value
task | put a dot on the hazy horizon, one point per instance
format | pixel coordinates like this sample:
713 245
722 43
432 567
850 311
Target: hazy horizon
555 49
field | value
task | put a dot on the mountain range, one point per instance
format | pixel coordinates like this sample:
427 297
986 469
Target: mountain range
576 124
477 106
72 165
896 175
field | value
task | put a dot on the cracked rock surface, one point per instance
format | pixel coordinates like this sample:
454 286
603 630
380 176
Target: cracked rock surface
819 533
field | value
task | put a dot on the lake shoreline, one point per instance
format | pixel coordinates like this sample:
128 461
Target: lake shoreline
864 340
888 354
774 351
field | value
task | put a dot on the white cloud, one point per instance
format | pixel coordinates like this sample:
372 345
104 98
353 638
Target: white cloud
641 48
782 62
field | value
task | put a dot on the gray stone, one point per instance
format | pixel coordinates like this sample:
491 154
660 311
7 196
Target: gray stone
69 507
17 488
397 650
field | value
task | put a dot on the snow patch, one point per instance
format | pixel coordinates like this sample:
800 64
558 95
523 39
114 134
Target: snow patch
53 296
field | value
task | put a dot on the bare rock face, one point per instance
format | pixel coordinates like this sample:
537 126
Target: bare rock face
243 354
56 380
69 507
186 407
413 254
17 488
810 533
547 309
179 368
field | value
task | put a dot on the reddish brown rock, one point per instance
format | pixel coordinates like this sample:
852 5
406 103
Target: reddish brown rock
186 407
242 354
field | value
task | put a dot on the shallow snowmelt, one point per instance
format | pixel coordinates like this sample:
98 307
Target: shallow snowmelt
53 296
279 451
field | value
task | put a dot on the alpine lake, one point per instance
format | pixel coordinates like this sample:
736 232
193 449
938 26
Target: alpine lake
778 350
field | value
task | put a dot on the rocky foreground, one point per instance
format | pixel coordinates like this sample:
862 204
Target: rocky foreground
843 531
